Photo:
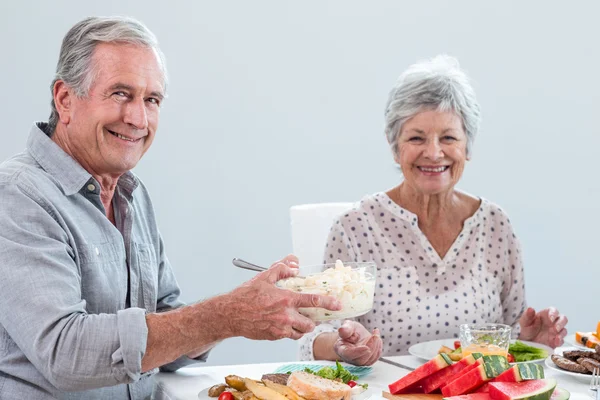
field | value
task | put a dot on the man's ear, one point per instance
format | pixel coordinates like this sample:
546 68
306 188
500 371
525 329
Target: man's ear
62 101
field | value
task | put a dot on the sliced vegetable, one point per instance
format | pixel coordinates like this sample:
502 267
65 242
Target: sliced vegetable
522 352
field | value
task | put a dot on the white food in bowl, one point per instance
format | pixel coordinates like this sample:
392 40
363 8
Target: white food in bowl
353 286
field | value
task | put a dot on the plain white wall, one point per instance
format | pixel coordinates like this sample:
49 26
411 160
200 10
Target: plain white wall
274 103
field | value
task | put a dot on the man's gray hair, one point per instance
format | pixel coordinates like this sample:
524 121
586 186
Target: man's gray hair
74 65
436 84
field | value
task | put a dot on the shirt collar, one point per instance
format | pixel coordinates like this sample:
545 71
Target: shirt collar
71 176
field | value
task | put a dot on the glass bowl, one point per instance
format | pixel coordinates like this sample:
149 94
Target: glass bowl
487 339
352 283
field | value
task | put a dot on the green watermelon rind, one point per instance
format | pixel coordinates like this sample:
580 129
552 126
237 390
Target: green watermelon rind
495 365
530 371
521 372
542 393
563 394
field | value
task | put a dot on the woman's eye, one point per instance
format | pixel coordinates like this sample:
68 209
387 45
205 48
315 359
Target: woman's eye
415 139
449 138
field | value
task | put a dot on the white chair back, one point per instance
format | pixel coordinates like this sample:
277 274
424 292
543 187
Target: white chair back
310 227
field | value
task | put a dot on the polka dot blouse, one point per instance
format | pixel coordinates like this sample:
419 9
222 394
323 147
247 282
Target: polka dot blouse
420 296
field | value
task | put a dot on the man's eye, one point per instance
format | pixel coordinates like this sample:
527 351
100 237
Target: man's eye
153 100
120 94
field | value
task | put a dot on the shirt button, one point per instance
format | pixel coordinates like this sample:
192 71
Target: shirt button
91 187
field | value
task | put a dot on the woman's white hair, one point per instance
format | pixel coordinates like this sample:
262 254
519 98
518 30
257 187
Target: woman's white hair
75 66
435 84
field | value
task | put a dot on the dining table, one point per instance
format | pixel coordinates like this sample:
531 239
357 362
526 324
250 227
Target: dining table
191 383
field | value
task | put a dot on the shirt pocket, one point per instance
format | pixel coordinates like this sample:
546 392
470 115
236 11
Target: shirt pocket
147 267
103 277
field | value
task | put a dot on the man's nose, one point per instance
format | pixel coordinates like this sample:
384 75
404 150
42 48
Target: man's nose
135 114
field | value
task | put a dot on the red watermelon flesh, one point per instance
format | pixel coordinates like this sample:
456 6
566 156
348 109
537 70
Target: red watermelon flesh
438 379
465 371
536 389
472 396
466 383
484 389
411 381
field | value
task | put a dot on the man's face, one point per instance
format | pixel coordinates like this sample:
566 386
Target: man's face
109 131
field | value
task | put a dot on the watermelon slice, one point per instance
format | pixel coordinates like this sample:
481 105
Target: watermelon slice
521 372
409 382
537 389
560 394
468 382
467 369
438 379
473 396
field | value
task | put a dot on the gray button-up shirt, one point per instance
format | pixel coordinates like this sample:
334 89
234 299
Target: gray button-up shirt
74 289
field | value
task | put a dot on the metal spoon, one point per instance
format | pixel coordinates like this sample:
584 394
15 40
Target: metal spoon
238 262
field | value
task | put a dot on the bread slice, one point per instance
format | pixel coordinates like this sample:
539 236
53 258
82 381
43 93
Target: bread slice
313 387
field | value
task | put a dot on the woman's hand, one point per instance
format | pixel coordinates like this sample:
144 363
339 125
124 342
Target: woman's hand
356 345
547 326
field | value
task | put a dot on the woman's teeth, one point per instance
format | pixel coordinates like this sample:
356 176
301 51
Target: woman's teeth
437 169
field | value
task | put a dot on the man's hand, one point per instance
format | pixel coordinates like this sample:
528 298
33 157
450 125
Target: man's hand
356 345
260 310
547 326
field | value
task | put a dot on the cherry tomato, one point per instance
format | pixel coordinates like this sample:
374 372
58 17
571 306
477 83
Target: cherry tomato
510 358
350 383
456 344
225 396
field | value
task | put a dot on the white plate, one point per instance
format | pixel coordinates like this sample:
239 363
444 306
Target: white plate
428 350
570 340
203 394
550 364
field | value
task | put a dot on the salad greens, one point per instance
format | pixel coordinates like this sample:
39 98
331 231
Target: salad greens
522 352
338 372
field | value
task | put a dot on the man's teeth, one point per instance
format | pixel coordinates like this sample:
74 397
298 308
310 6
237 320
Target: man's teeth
438 169
122 137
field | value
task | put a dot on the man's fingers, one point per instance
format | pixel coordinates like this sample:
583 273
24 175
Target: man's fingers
315 300
295 335
290 260
303 324
278 271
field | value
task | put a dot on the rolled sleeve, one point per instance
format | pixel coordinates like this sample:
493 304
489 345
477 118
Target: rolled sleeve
133 334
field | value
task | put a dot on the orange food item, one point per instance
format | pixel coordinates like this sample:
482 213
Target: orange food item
592 341
598 330
588 339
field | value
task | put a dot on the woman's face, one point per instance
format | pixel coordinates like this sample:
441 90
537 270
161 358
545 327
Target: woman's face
432 151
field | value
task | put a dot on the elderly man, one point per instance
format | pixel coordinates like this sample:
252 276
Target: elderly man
89 306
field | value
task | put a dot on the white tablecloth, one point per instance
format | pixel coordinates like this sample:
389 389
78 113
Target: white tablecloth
186 383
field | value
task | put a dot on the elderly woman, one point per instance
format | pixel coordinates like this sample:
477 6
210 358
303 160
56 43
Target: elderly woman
444 257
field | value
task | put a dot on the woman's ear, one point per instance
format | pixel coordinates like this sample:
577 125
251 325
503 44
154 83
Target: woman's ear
62 101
